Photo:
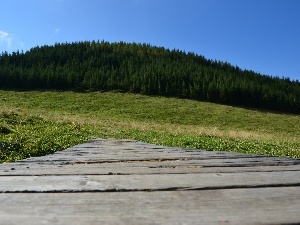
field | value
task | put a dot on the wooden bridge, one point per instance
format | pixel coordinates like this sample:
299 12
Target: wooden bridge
106 181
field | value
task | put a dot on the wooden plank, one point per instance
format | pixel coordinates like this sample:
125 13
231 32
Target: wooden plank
157 182
92 158
107 150
129 182
107 147
237 206
130 168
111 156
101 150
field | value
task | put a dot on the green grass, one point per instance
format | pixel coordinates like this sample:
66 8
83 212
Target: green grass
38 123
25 136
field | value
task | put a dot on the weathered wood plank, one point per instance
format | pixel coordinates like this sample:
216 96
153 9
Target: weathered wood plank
101 151
129 182
237 206
116 157
131 157
119 150
120 157
147 182
131 168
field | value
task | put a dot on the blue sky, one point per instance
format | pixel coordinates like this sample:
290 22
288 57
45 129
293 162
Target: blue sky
261 35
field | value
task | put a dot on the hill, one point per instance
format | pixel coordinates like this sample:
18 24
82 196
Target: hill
36 123
145 69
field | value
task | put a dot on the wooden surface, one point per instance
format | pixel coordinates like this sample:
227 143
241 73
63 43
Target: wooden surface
106 181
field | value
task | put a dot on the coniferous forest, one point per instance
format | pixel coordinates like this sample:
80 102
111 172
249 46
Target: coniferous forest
145 69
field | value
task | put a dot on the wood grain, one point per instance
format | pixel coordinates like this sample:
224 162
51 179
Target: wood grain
221 206
111 181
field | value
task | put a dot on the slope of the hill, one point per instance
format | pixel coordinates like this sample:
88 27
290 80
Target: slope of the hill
145 69
34 123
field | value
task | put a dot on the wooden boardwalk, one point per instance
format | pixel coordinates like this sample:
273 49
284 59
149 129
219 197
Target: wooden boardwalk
106 181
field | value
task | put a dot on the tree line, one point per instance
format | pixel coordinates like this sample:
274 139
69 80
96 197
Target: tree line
145 69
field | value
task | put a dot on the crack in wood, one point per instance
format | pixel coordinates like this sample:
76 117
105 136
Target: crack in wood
275 162
159 189
128 174
128 161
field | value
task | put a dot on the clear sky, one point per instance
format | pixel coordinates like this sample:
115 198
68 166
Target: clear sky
261 35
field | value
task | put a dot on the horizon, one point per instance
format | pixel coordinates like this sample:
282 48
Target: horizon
260 35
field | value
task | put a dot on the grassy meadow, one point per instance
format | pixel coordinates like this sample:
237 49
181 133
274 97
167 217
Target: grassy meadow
36 123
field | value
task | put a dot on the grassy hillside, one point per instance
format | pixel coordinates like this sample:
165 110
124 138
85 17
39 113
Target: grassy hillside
145 69
38 123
